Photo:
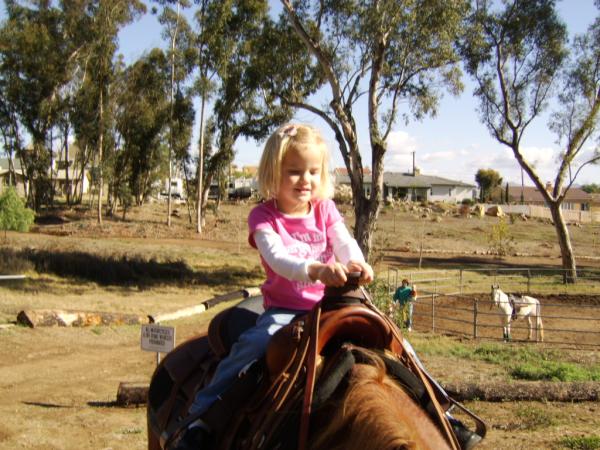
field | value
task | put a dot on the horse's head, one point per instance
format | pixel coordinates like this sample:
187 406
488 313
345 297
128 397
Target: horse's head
495 295
374 410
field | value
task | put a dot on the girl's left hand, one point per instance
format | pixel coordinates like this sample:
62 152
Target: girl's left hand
366 271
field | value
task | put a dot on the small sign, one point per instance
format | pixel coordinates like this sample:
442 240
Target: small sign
158 338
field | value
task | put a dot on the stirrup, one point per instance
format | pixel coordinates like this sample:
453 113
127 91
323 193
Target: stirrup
170 435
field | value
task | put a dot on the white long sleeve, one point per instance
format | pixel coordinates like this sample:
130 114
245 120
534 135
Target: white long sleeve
274 253
271 248
345 247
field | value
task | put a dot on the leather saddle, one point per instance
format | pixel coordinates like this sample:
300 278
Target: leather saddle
271 406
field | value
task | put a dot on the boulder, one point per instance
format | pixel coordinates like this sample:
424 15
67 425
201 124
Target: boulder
495 211
479 210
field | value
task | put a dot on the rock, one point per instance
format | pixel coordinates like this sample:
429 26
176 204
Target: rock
495 211
479 210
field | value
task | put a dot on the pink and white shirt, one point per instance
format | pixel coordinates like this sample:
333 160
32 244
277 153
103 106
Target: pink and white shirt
289 244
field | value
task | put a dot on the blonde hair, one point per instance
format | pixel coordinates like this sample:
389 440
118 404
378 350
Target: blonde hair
286 137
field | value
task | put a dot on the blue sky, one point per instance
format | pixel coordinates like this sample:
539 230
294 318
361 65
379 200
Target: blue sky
454 144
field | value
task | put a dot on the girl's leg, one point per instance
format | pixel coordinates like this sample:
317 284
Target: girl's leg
250 346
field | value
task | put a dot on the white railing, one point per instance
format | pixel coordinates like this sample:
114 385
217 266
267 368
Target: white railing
544 213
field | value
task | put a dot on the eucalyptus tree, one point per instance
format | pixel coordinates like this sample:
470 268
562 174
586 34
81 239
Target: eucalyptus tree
9 129
227 30
242 106
207 39
518 53
382 52
34 69
142 119
107 17
181 60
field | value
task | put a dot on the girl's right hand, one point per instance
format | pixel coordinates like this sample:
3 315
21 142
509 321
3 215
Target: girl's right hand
333 274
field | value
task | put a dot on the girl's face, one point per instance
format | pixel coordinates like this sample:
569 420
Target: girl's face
300 180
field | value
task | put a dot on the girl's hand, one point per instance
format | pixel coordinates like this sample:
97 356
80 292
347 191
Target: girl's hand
366 271
333 274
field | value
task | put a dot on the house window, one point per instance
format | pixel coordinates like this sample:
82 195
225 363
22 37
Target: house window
450 192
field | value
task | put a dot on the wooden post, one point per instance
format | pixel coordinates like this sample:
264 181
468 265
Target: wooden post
529 281
433 312
475 311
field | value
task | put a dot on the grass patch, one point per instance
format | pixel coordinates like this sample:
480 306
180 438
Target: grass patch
520 363
532 417
554 371
580 442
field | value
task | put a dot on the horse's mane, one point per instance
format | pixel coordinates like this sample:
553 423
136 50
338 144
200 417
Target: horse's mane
372 413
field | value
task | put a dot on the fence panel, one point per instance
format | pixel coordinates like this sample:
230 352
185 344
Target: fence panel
458 302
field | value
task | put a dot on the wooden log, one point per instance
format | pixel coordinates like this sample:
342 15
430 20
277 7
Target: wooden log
514 391
132 394
48 318
200 308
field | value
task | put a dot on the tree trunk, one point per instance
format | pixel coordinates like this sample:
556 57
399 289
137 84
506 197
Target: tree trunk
188 192
564 241
67 183
100 145
199 215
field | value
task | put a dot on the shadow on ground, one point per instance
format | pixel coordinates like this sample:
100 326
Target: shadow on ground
125 271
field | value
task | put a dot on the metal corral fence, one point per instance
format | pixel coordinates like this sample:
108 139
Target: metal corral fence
459 302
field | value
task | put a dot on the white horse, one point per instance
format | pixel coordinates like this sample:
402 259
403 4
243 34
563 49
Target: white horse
518 307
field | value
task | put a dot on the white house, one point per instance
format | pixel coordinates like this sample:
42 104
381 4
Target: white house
417 187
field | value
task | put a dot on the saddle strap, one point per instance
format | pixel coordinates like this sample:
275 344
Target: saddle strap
280 389
311 367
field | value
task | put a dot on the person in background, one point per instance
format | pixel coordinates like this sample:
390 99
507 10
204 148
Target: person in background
405 296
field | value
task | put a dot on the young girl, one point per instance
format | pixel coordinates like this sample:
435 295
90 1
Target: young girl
303 245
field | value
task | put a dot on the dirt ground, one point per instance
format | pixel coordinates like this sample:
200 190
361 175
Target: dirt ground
58 385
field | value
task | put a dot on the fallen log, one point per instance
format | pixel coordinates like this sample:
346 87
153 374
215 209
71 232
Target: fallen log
132 394
514 391
576 391
49 318
200 308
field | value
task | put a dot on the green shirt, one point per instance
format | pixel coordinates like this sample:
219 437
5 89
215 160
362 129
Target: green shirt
404 294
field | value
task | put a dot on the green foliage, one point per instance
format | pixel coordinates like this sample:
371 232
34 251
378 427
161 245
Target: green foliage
592 188
500 240
487 180
554 371
523 363
580 442
378 290
14 215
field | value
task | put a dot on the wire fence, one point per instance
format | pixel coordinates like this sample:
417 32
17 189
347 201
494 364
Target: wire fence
458 302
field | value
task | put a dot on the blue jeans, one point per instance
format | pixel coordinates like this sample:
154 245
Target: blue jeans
250 346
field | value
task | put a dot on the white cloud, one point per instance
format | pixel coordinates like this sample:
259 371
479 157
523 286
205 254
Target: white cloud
400 146
440 156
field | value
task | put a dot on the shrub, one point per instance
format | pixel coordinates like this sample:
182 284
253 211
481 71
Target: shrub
500 240
580 442
14 215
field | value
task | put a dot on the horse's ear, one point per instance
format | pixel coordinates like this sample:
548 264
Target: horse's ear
495 286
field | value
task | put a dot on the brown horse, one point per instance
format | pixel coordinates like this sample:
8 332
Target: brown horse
375 412
338 378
